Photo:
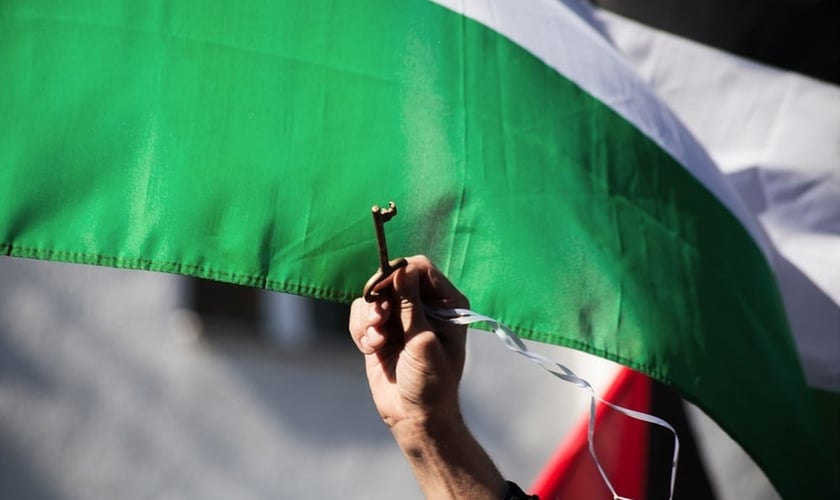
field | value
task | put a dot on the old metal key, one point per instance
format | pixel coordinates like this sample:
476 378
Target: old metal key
373 291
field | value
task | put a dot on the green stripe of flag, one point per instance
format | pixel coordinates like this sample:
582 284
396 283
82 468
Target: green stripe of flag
246 141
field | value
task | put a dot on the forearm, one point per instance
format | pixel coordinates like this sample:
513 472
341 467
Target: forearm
447 460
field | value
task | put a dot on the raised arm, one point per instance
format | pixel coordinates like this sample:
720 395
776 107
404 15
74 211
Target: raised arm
414 367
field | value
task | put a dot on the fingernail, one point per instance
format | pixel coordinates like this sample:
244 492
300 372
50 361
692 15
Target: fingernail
364 346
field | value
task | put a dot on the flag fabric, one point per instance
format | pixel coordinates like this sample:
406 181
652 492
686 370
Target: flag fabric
245 142
776 136
748 28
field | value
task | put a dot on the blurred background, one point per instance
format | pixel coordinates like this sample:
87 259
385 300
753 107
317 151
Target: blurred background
129 384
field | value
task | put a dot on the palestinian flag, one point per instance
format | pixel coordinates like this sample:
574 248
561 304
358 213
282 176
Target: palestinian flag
246 141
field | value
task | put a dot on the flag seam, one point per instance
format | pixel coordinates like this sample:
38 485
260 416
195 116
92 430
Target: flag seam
193 270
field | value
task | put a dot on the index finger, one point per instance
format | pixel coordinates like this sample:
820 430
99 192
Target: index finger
435 288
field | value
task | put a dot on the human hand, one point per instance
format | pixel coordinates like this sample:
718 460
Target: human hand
413 366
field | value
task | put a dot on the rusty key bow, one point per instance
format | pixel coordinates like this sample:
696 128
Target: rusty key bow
380 216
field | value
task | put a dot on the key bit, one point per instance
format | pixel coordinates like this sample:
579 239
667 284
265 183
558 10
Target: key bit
372 290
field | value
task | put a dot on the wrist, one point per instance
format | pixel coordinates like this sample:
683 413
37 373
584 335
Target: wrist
447 460
445 427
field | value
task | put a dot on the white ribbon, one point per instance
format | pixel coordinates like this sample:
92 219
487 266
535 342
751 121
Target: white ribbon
514 343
